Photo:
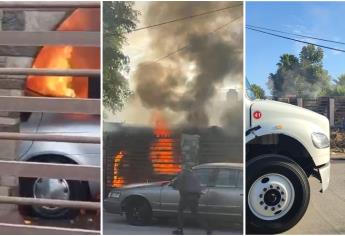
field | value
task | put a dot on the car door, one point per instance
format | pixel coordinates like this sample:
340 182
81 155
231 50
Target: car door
169 198
29 124
224 197
206 178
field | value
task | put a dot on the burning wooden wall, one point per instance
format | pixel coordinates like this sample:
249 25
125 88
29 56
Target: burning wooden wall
131 153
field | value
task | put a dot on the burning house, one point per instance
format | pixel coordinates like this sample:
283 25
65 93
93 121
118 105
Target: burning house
134 154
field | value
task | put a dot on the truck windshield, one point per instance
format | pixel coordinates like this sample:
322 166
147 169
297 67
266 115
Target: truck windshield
249 91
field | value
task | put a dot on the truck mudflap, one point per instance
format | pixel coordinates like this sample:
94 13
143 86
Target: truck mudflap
324 174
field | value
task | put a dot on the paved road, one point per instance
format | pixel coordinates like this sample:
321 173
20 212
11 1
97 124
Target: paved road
326 212
85 220
116 224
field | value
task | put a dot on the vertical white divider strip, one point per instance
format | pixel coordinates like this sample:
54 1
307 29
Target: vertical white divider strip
101 118
244 117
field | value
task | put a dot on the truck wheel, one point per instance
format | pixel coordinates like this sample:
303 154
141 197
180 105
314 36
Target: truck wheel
138 212
278 194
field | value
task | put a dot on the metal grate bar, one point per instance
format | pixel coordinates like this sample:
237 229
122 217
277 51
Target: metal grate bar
49 5
49 202
24 38
49 170
50 105
50 72
19 229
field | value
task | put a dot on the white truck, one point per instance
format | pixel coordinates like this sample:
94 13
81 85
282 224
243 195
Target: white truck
285 144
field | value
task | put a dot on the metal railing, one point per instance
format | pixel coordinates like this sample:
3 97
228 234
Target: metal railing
56 5
52 72
15 38
50 105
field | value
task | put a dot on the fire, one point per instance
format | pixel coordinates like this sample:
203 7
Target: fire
162 151
163 154
66 57
118 181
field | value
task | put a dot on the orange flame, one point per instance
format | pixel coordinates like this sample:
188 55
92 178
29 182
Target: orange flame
66 57
118 181
162 151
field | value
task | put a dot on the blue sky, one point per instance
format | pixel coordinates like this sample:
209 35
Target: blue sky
318 19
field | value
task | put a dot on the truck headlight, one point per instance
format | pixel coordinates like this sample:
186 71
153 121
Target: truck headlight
114 194
320 140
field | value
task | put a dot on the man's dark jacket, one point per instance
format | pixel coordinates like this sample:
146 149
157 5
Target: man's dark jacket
187 183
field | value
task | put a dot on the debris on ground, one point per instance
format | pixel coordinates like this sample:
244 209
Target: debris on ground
338 140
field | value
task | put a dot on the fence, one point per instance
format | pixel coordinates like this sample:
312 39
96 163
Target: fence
331 107
51 105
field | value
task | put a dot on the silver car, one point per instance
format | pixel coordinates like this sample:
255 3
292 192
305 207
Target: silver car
59 152
222 196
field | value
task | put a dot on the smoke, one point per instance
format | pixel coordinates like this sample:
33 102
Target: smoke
186 82
232 119
294 82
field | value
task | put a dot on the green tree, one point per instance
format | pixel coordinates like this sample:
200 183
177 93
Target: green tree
339 87
311 55
119 18
258 91
303 76
285 76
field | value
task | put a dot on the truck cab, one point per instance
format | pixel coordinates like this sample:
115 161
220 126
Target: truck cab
285 145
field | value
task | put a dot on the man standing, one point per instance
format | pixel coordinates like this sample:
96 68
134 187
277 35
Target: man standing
190 191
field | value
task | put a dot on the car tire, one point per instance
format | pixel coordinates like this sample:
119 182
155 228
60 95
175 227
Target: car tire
278 194
138 212
78 191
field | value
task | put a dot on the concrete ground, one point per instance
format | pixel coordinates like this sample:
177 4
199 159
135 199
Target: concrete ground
116 224
85 220
326 211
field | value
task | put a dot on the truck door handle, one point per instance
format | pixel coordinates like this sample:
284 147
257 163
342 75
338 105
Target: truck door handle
241 194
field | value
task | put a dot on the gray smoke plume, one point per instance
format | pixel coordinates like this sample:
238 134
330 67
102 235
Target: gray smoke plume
215 58
295 83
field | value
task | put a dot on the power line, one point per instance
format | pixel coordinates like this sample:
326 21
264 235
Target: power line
187 17
188 45
299 35
296 40
172 53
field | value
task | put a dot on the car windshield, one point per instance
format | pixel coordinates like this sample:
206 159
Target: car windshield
249 91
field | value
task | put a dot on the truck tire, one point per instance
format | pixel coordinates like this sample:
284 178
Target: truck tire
278 194
138 212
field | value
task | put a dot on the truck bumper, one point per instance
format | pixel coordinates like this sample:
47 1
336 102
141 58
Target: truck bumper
324 172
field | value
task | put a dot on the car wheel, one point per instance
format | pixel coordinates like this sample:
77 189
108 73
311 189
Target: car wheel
51 189
278 194
138 212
